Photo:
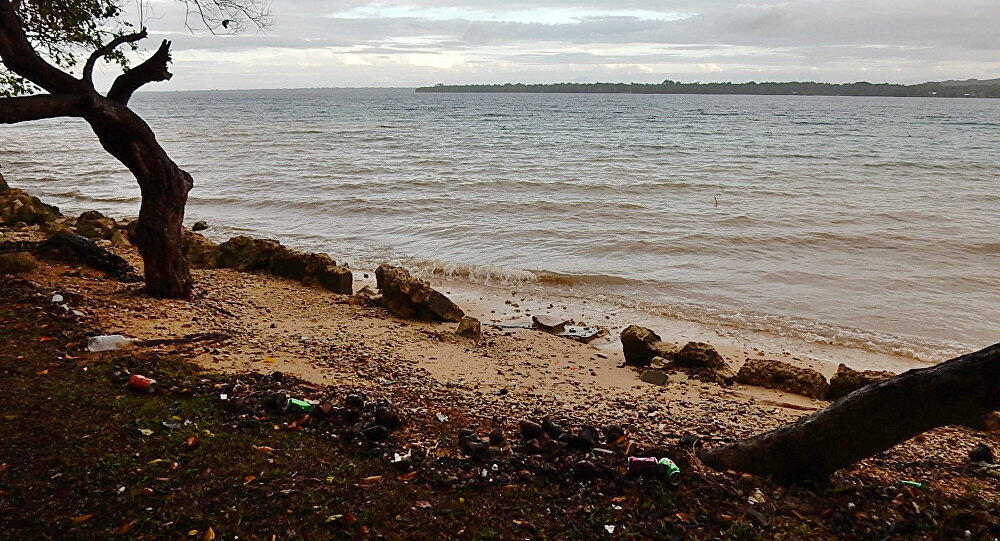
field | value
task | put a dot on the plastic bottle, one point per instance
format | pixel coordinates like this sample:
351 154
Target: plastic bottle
108 342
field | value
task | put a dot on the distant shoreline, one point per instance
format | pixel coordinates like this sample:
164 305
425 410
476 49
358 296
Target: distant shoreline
949 89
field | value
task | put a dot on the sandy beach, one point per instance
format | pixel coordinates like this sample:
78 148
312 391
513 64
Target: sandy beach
276 324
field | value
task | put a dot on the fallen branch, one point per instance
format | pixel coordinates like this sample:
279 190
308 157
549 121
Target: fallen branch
961 391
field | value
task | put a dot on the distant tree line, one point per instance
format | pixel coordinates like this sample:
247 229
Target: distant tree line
967 89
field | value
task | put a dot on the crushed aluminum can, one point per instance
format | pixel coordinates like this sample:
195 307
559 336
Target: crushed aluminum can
142 384
298 406
653 466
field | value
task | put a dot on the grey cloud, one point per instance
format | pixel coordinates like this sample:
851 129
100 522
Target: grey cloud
782 40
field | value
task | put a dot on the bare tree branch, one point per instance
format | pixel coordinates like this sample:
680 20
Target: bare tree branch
227 16
25 108
88 68
153 69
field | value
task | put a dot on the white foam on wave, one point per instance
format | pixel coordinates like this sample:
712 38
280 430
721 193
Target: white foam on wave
598 288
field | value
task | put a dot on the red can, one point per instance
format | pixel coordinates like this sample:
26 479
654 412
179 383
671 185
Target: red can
142 384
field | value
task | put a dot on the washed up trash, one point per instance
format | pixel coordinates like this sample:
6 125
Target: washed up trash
297 406
57 298
914 484
441 417
145 432
610 528
142 384
108 342
581 333
653 466
566 329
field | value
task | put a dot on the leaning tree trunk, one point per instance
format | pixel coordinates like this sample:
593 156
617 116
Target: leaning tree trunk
127 137
961 391
164 187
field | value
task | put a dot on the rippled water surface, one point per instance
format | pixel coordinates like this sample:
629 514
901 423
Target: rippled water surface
868 221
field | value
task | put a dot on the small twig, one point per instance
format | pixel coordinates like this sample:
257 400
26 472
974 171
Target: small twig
196 337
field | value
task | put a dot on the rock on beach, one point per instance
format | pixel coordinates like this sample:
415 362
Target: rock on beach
784 377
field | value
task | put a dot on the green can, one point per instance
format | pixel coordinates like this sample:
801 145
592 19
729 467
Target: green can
298 406
672 472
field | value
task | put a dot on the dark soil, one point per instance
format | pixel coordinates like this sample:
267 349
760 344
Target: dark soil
75 463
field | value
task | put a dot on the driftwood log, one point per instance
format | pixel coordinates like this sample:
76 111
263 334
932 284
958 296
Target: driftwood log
87 251
961 391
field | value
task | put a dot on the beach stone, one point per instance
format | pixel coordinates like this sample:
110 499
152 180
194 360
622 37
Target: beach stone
530 430
699 355
640 345
847 380
200 225
17 206
470 327
94 225
245 253
413 298
201 252
375 432
118 239
364 296
17 263
58 225
783 376
336 278
981 453
655 377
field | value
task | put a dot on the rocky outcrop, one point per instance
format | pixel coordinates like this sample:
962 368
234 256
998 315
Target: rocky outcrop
413 298
200 225
17 263
847 380
94 225
248 254
16 206
3 184
245 253
200 252
784 377
301 266
640 345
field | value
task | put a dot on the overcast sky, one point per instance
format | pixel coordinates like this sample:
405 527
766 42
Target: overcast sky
422 42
